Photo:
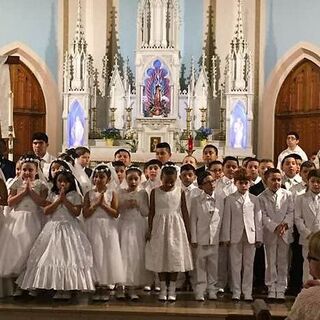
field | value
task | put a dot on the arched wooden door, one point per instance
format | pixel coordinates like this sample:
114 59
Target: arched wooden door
298 108
29 110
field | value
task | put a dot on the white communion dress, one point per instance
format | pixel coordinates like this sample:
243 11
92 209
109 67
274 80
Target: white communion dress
61 258
168 249
102 232
132 229
21 227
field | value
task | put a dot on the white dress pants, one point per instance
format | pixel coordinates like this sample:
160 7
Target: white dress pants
242 258
206 268
277 264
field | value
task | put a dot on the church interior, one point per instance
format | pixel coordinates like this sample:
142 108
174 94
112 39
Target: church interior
110 74
246 70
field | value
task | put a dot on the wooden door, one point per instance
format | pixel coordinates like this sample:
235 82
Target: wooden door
29 110
298 108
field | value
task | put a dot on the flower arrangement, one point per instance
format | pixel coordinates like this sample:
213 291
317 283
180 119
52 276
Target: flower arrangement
130 134
203 133
111 133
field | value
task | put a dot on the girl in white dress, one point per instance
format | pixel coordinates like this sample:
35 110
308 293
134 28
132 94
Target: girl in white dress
61 258
22 223
133 208
100 213
168 250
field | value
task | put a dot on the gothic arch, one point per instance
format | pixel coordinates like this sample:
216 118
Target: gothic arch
278 75
48 85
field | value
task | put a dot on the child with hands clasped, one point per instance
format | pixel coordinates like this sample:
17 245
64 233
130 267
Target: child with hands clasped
22 224
168 251
101 226
307 216
277 216
133 208
61 257
242 229
205 222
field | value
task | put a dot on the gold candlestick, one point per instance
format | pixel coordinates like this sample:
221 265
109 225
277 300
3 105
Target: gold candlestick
203 111
188 119
112 118
128 118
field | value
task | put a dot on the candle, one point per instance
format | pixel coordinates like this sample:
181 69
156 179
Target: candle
203 97
188 96
190 143
10 111
112 97
128 99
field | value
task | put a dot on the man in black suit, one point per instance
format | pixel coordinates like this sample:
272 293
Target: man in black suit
209 154
259 258
8 167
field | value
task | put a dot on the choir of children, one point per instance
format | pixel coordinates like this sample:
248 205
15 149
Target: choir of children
116 225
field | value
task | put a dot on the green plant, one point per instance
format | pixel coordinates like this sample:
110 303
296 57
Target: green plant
111 133
203 133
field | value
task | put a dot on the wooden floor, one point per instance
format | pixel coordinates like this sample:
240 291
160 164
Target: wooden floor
80 308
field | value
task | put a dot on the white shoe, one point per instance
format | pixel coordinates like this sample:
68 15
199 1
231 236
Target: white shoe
157 289
199 297
271 295
134 297
236 297
248 297
280 295
162 296
172 291
221 290
120 294
18 292
172 297
147 288
33 293
212 296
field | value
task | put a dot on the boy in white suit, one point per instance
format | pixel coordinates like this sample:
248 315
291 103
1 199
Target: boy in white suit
224 187
242 229
205 222
307 216
277 216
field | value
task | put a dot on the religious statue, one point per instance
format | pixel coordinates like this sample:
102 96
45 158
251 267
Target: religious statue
159 103
238 131
77 133
156 94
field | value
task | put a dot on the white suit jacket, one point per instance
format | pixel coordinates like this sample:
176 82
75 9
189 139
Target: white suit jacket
205 219
306 216
242 215
225 187
275 213
190 192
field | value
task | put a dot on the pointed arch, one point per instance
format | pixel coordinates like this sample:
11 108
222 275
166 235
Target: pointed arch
302 50
48 85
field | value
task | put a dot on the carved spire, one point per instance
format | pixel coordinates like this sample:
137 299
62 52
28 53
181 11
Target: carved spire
238 68
79 41
238 34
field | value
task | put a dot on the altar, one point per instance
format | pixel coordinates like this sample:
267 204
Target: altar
152 104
